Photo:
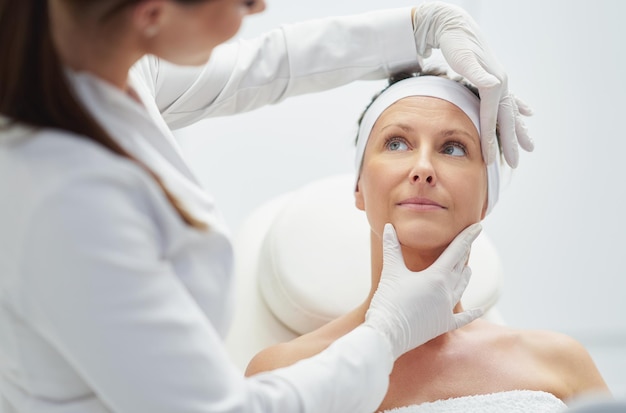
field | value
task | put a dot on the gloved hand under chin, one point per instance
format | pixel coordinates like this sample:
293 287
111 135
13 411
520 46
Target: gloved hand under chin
451 29
411 308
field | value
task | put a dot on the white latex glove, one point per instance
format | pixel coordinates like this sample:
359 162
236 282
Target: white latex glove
411 308
451 29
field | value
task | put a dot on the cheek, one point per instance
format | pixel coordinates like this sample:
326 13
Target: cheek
376 190
466 189
213 25
194 47
224 22
485 206
222 30
484 195
472 200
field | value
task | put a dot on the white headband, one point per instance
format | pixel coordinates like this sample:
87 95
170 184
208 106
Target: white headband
432 86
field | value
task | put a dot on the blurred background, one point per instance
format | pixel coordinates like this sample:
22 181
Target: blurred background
560 226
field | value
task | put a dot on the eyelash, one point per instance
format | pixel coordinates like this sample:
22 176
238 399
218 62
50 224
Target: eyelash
394 139
456 144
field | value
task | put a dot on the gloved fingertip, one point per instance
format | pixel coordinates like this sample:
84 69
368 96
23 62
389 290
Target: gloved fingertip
453 257
525 141
389 230
467 316
390 238
473 231
469 235
475 313
511 156
485 80
489 151
528 145
523 108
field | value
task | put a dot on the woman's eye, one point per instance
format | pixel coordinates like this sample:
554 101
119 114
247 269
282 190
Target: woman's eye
396 144
454 149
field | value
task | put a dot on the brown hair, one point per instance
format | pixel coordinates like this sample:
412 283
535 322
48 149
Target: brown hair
35 91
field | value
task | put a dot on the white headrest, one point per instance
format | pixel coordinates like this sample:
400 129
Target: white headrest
314 262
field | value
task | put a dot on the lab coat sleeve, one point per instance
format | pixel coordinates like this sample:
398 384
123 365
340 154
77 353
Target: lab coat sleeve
97 288
295 59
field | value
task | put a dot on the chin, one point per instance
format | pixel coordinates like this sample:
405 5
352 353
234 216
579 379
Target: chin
425 236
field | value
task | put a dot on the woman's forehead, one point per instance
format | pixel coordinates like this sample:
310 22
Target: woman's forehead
412 110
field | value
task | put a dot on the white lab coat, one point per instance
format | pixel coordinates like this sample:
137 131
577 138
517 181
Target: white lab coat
108 301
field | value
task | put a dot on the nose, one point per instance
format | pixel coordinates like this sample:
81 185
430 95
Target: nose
423 171
428 179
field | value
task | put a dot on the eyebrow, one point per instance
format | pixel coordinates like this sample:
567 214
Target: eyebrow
405 127
446 132
449 132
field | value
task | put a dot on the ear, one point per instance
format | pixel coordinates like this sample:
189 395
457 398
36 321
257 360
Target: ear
358 197
148 16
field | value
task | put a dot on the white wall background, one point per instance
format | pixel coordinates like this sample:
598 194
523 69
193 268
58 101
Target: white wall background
561 224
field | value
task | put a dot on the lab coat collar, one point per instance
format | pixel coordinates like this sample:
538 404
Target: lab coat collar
123 117
141 130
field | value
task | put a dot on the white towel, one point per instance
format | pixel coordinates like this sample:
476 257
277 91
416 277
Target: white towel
515 401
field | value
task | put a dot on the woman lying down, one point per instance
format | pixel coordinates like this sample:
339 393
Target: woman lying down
421 169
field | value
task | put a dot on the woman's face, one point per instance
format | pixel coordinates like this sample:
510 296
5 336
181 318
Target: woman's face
190 31
424 173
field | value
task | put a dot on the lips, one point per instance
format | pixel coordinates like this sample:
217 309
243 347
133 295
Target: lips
420 203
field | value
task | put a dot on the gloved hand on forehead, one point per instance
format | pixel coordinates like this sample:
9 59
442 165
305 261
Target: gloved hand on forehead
451 29
411 308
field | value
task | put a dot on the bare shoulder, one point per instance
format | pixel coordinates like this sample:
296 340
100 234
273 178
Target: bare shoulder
557 349
567 358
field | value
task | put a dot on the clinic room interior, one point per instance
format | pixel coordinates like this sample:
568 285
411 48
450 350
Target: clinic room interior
558 234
